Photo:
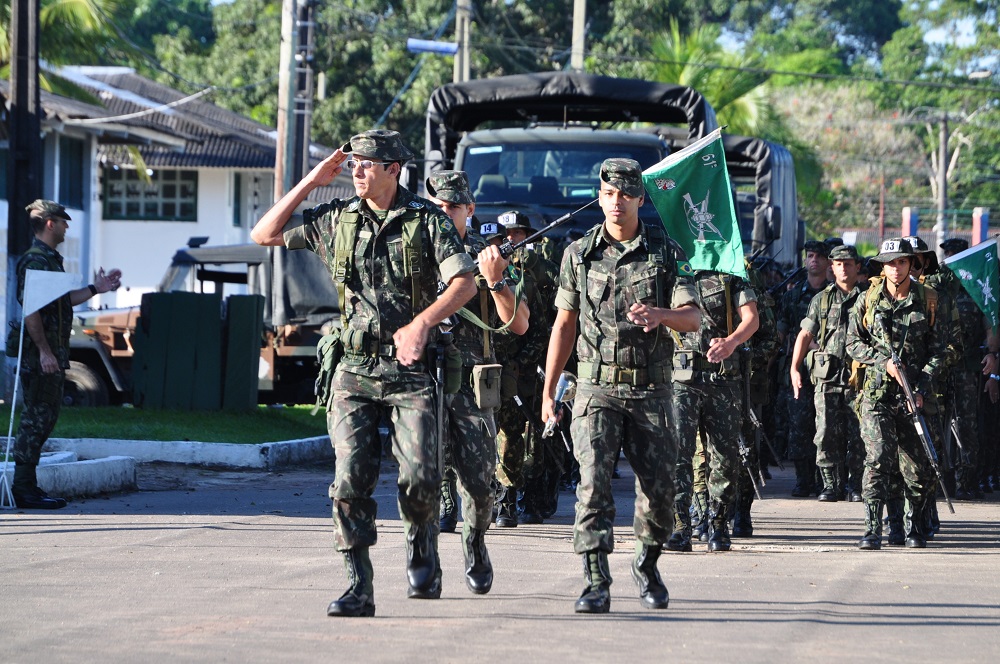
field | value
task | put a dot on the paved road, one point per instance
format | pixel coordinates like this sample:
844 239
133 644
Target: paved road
211 566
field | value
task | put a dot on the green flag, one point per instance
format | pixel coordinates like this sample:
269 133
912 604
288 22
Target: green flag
976 267
690 191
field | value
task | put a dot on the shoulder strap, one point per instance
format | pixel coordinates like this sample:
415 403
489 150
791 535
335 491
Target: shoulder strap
824 305
343 253
412 252
930 303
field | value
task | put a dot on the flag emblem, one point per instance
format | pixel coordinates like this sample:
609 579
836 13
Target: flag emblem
664 184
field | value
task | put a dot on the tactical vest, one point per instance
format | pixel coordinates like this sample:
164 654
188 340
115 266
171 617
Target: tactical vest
660 253
716 297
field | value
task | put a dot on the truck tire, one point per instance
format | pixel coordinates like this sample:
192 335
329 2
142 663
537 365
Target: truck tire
84 387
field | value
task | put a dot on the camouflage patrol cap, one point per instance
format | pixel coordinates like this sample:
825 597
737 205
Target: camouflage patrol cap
625 175
892 249
845 252
817 247
450 186
954 245
513 219
380 144
48 209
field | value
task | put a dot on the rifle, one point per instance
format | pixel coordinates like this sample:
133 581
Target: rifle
751 414
794 276
507 249
565 391
745 460
443 339
911 405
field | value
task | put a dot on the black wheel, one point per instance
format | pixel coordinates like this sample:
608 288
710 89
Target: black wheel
84 387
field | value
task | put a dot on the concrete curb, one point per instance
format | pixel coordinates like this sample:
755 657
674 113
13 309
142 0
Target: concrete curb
265 455
76 467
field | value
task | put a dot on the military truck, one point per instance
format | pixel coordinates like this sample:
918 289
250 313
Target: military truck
296 313
535 142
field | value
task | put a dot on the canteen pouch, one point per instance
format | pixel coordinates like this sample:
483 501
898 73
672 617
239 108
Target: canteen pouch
328 353
486 385
821 366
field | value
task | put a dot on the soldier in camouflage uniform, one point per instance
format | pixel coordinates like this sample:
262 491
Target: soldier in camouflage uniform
470 430
895 311
824 336
618 282
801 413
387 249
708 397
519 440
46 350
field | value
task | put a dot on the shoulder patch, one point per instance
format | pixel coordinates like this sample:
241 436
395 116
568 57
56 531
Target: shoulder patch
684 267
445 224
415 205
353 205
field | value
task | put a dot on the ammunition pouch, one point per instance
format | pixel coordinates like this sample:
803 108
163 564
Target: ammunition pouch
486 380
13 339
822 366
508 383
356 342
453 369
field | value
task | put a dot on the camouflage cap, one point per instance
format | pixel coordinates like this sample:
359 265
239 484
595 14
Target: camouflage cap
450 186
624 175
817 247
919 246
48 209
893 249
954 245
379 144
845 252
515 219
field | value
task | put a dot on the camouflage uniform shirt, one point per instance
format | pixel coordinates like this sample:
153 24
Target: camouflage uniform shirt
57 316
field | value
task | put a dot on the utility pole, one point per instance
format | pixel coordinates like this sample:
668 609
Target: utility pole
942 179
304 58
579 25
284 158
463 19
24 131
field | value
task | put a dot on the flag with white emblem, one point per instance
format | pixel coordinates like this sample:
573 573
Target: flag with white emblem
976 268
691 192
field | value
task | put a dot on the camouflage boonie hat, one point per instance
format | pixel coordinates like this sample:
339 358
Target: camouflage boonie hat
48 209
845 252
893 249
954 245
918 244
625 175
513 219
817 247
379 144
450 186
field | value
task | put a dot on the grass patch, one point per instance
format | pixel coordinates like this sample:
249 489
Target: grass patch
262 425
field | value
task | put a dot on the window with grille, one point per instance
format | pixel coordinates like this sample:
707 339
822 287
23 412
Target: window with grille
169 195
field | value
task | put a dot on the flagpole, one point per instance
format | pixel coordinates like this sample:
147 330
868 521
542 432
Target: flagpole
6 495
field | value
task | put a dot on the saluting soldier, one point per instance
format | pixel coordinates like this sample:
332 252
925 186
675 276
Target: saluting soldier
387 249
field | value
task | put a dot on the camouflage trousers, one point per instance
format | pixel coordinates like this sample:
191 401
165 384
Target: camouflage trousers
713 411
353 417
966 387
608 419
802 425
511 442
43 394
838 435
470 437
891 442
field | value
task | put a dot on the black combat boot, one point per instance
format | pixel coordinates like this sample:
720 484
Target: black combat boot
448 516
699 515
652 593
932 523
718 538
804 475
680 538
914 521
872 541
832 491
894 520
596 597
507 507
478 569
359 600
742 521
27 495
423 570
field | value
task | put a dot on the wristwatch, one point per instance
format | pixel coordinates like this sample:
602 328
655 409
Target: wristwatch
498 286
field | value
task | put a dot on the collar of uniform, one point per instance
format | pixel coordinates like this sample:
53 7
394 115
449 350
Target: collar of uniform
46 248
628 245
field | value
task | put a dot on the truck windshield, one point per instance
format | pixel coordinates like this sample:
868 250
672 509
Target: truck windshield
541 172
